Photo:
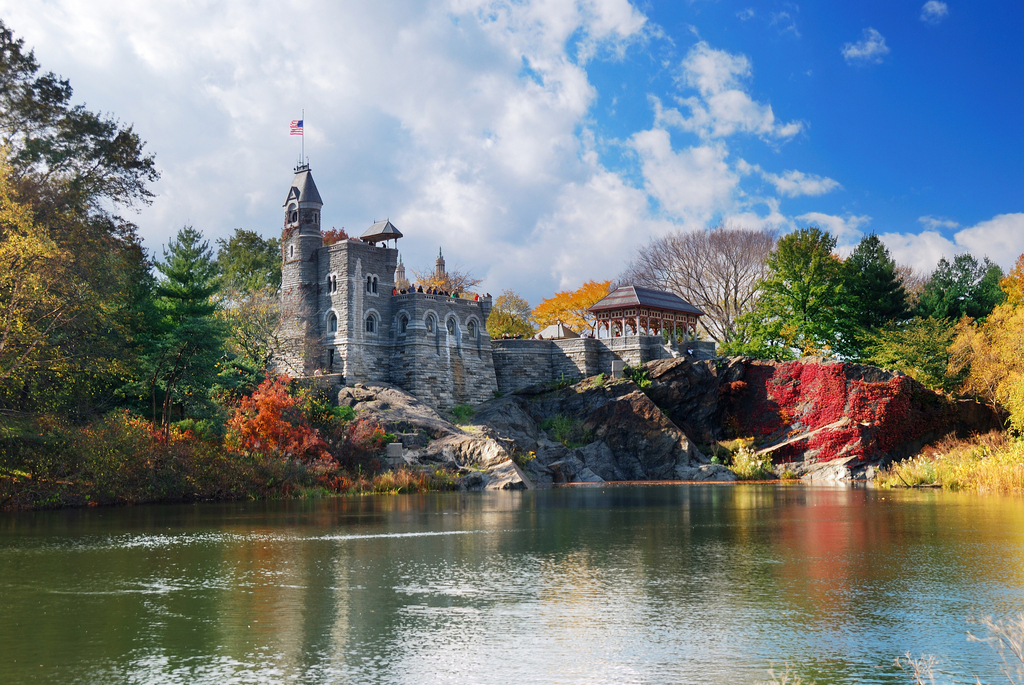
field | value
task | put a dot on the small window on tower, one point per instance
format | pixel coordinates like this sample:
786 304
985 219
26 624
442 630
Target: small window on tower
334 284
375 284
430 324
291 251
332 323
369 284
371 324
403 324
471 329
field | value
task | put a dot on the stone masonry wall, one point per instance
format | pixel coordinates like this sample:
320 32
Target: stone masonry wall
519 363
441 352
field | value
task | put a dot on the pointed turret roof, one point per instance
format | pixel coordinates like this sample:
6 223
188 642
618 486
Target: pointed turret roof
303 188
381 231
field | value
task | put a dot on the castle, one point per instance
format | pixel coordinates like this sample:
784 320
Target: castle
344 318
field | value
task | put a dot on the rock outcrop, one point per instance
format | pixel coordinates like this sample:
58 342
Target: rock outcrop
593 433
811 411
817 419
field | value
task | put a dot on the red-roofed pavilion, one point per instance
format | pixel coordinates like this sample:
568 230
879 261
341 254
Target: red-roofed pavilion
645 311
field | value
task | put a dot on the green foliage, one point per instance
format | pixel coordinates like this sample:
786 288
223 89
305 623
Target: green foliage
801 304
462 413
561 383
918 348
247 262
966 287
344 414
182 359
567 430
637 374
599 380
874 294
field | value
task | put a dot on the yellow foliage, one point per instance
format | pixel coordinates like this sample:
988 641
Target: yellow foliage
1013 284
570 307
31 267
994 351
987 463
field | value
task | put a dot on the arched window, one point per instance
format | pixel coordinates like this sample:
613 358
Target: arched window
329 289
471 329
293 213
332 323
375 284
403 324
334 284
371 324
369 284
451 326
431 323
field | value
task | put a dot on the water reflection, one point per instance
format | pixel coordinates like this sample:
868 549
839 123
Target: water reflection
698 584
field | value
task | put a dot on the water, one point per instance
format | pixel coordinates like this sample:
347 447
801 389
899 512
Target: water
667 584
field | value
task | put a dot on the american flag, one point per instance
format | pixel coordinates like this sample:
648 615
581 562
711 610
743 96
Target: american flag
296 129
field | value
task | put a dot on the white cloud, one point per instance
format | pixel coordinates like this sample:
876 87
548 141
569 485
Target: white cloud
868 50
746 14
1000 238
722 108
795 183
933 223
933 11
846 229
691 185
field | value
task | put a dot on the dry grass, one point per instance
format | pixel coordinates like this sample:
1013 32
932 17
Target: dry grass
986 463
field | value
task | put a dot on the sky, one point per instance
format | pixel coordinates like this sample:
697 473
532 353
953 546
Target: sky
540 143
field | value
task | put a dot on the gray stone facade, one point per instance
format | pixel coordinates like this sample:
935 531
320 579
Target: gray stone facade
341 321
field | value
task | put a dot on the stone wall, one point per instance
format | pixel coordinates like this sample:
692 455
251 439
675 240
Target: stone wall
440 350
519 363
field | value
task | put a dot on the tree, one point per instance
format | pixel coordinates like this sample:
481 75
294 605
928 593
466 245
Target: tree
254 321
964 288
717 270
454 280
74 168
81 158
571 307
248 262
1013 284
31 301
989 353
918 348
510 315
800 303
874 292
334 235
189 343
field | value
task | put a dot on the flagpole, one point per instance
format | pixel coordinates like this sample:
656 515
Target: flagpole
302 158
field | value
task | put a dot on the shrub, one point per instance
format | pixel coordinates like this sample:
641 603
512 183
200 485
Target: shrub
599 380
748 465
637 374
462 413
567 430
271 422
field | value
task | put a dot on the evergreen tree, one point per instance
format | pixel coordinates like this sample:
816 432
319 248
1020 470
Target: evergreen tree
188 344
800 303
874 293
248 262
966 287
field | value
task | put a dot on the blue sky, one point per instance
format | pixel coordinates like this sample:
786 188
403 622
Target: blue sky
541 142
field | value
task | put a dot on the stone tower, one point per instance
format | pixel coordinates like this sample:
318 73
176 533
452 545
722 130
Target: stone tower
439 266
401 282
300 242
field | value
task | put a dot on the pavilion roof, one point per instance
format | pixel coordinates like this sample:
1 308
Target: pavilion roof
557 331
381 231
635 296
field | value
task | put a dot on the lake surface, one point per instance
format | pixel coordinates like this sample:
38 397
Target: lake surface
658 584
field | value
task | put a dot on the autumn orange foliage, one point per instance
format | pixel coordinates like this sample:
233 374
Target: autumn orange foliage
334 235
570 306
271 422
